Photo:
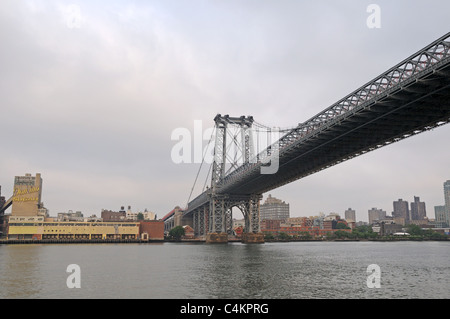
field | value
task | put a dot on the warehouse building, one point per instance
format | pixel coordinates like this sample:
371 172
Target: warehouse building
29 220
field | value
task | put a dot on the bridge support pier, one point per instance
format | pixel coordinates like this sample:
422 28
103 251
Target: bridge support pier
216 238
253 238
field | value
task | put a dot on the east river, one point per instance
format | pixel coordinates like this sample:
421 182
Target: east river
234 270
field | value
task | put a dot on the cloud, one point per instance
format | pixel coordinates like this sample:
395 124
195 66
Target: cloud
91 92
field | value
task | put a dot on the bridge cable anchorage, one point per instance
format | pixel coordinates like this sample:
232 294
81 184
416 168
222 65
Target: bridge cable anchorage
201 164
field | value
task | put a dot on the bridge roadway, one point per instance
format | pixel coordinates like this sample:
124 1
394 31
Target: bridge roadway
410 98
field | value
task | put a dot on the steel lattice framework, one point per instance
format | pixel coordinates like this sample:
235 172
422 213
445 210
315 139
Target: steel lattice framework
219 214
410 98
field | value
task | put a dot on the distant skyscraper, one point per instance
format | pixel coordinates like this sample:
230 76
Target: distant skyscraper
440 216
447 194
376 214
418 211
274 208
350 214
447 201
401 212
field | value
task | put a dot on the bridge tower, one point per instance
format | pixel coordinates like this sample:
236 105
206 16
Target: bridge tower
229 155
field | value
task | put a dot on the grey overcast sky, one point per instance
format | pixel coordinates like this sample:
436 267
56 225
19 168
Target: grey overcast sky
91 91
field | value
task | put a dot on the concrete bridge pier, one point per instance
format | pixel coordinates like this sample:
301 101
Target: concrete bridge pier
217 238
253 238
247 238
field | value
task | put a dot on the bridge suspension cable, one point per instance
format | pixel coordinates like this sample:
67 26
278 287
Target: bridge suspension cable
262 138
199 169
262 127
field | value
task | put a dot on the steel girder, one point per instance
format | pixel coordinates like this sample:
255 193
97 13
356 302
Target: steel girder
200 220
222 124
220 205
221 218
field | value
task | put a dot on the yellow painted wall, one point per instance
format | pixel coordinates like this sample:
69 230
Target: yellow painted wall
74 228
27 197
25 230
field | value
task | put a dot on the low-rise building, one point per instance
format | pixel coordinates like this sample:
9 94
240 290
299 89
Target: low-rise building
70 216
110 216
188 232
152 229
35 227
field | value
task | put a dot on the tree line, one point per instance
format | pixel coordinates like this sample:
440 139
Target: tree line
414 232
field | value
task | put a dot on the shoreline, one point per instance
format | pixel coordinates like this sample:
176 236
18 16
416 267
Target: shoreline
200 241
78 241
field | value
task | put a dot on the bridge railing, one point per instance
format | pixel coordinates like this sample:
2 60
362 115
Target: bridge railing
197 202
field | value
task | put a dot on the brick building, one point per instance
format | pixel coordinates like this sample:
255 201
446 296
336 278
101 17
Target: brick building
110 216
274 208
153 228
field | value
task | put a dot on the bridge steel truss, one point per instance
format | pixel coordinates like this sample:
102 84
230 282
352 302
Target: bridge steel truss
217 216
205 220
410 98
213 213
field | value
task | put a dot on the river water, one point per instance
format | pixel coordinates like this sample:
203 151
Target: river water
234 270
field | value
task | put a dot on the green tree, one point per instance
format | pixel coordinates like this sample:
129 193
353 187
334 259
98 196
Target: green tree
283 236
268 236
414 230
305 235
363 231
341 226
340 234
177 232
330 235
435 235
140 216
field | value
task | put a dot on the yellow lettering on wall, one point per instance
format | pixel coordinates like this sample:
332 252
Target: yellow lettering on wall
19 191
25 199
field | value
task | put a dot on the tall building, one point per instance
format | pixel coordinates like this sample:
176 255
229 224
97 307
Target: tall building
447 201
274 208
401 212
440 216
2 213
418 210
350 215
376 214
27 195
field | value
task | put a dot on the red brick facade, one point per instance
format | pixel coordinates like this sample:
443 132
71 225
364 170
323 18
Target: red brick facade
154 229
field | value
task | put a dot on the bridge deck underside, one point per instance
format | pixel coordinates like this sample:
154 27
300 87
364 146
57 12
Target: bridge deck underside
420 106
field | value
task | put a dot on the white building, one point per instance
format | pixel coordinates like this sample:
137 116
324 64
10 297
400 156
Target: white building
134 216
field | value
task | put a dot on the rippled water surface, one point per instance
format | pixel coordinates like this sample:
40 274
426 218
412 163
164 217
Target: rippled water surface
234 270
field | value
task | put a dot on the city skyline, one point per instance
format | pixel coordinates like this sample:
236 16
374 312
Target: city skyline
93 91
408 205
